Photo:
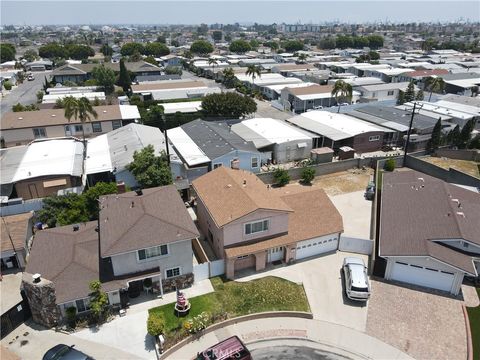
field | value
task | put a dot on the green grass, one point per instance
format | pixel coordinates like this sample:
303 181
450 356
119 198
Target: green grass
237 299
474 317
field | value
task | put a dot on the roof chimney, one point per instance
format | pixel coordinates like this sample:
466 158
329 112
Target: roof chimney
121 188
139 192
76 227
36 278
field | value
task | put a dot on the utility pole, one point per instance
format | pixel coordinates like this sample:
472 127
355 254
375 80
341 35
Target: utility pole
408 133
166 138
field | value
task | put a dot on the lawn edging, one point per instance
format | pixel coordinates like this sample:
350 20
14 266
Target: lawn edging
469 333
232 321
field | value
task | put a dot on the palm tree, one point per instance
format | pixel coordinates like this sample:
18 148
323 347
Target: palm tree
213 62
229 77
302 58
254 71
342 90
79 109
434 84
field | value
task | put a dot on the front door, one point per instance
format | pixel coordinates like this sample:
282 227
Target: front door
32 189
275 254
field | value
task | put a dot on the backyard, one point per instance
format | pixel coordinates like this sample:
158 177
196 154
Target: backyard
474 317
468 167
231 299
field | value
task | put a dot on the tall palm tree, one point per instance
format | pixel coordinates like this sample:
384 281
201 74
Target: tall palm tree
229 77
434 84
302 58
254 71
213 62
79 109
342 90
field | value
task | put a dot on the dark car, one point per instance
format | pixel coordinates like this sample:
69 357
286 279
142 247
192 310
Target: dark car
231 348
65 352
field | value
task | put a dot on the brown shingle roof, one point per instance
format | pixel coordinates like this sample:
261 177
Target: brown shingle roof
51 117
231 194
17 227
415 213
312 89
287 67
69 259
129 222
426 73
313 215
169 84
79 69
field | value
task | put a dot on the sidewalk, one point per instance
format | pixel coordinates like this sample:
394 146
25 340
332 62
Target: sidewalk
326 335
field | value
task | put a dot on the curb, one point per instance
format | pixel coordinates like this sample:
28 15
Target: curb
469 333
263 315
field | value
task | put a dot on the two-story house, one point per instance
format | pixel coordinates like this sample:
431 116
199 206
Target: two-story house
139 235
250 224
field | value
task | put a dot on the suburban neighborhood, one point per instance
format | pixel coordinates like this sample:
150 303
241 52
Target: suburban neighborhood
299 182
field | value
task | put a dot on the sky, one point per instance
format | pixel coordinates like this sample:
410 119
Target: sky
230 11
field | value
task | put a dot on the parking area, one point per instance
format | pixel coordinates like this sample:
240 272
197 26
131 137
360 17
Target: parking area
426 325
356 213
322 279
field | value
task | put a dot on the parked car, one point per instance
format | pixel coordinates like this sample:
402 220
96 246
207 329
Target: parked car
357 286
65 352
30 77
370 191
319 107
231 348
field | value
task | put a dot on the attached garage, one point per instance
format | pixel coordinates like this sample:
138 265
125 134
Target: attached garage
316 246
422 276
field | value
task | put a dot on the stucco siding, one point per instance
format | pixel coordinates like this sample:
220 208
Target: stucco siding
244 157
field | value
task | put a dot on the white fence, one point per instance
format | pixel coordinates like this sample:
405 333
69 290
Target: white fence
356 245
217 267
201 271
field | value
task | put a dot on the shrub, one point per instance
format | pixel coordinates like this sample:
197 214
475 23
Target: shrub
281 177
39 96
308 174
7 85
197 323
71 313
155 324
389 165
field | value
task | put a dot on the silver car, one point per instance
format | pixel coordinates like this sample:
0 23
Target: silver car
357 285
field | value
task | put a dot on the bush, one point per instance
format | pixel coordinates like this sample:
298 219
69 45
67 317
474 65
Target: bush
7 85
71 313
155 324
281 177
389 165
39 96
308 174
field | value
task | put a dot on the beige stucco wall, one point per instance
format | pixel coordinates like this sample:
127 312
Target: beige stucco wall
26 188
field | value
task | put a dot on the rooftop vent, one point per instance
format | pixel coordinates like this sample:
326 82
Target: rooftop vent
53 115
229 186
132 205
20 118
459 213
244 182
76 227
139 192
36 278
421 179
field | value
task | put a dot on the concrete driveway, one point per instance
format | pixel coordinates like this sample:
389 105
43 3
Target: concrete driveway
322 279
356 213
25 93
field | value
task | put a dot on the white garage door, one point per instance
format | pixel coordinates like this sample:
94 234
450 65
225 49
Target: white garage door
422 276
316 246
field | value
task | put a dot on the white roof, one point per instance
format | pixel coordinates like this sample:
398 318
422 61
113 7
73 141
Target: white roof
464 83
98 156
129 112
268 79
393 71
332 125
459 107
321 95
278 88
186 147
443 110
52 98
359 81
169 94
388 86
267 131
183 107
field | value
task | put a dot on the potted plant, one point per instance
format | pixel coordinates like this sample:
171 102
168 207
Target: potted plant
147 283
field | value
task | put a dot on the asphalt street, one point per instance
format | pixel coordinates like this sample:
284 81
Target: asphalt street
24 94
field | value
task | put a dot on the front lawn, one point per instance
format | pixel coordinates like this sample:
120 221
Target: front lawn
232 299
474 317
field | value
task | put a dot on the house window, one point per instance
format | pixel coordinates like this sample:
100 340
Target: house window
217 165
256 227
374 138
465 245
97 127
254 162
116 124
172 272
82 305
390 93
152 252
39 133
242 257
78 128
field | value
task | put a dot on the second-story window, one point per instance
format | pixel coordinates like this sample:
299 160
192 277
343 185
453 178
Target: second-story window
256 227
116 124
152 252
39 133
97 127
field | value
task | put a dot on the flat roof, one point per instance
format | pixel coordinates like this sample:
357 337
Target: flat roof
388 86
332 125
186 147
183 107
278 88
167 85
268 79
443 110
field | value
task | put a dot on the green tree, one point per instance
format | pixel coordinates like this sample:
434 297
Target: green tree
154 116
79 109
7 85
374 55
281 177
136 56
53 51
217 35
151 60
201 47
302 58
98 300
173 70
124 77
156 49
92 195
389 165
130 48
253 71
30 55
434 84
229 77
63 210
106 50
410 92
342 90
105 77
155 323
161 39
419 96
7 52
466 134
308 174
401 97
150 170
80 52
228 105
436 138
293 45
375 41
344 42
359 42
254 44
272 45
454 136
213 62
239 46
327 43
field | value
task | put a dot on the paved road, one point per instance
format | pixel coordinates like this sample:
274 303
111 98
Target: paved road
266 110
24 94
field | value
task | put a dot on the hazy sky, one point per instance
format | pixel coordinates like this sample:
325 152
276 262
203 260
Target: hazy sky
230 11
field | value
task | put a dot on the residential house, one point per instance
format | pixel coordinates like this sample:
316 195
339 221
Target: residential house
382 92
301 99
280 140
42 168
39 65
16 236
429 231
139 235
261 83
419 76
173 89
465 83
251 225
20 128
